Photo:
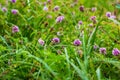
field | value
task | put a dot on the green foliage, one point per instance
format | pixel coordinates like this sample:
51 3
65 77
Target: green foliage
23 58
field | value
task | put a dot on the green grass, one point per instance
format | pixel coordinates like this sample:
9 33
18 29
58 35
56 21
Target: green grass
23 58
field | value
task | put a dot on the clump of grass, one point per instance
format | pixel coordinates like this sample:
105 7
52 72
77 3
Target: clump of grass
59 40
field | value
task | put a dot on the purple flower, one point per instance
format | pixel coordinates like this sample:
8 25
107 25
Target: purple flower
81 8
56 40
115 52
59 19
15 29
93 18
108 14
80 22
41 42
56 8
13 1
4 9
14 11
102 50
45 8
93 9
77 42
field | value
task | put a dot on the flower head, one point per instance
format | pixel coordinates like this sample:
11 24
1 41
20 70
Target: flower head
102 50
13 1
56 8
80 22
81 8
56 40
115 52
15 29
4 9
14 11
45 8
108 14
59 19
77 42
93 18
41 42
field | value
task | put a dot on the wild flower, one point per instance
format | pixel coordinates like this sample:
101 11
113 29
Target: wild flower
4 9
95 47
77 42
56 8
14 11
115 52
93 18
13 1
56 40
41 42
81 8
108 14
59 19
45 8
80 22
102 50
15 29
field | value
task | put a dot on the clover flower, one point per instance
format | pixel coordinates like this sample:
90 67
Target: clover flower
108 14
102 50
45 8
56 8
4 9
13 1
56 40
14 11
115 52
80 22
81 8
41 42
59 19
15 29
93 18
77 42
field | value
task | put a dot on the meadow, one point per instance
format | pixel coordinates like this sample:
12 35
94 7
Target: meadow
59 40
